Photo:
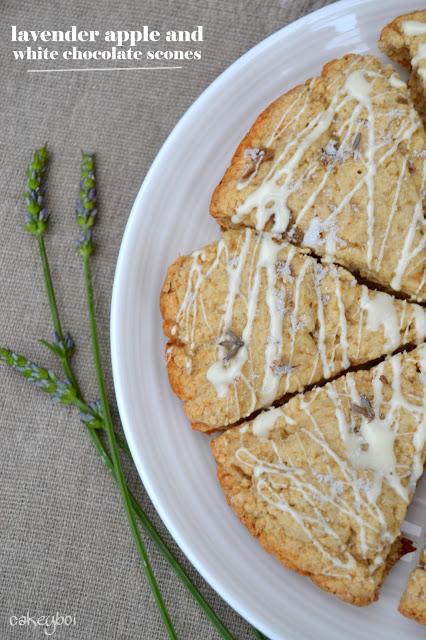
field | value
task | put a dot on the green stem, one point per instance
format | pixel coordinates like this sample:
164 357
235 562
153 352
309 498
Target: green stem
81 405
66 362
54 311
259 635
122 443
177 568
114 451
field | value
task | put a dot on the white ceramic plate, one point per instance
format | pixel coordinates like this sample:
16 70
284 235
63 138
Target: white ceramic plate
170 217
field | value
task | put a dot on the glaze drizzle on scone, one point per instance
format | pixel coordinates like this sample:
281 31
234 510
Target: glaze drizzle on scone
347 172
251 318
326 488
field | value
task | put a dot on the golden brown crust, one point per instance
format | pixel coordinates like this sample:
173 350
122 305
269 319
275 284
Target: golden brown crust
356 593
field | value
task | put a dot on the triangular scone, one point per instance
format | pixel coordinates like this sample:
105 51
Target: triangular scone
404 40
251 318
339 164
413 602
324 481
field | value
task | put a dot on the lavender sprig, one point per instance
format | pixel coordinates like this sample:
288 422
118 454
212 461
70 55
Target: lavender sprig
63 345
37 219
86 218
37 216
86 205
44 379
62 392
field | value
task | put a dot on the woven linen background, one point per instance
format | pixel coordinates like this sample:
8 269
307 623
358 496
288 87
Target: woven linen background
64 541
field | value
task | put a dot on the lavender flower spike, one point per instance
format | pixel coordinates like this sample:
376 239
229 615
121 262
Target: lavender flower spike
42 378
86 205
36 217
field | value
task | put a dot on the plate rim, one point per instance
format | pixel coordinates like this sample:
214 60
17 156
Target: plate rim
336 8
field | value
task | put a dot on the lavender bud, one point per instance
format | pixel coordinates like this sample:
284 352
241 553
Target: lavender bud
69 342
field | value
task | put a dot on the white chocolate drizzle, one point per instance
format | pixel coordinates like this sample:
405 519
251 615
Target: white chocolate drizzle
381 310
396 82
265 421
420 55
413 28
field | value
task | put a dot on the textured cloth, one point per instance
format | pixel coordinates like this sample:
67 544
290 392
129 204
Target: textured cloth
65 545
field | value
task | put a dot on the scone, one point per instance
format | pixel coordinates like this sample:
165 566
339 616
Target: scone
339 165
251 318
404 40
324 481
413 602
